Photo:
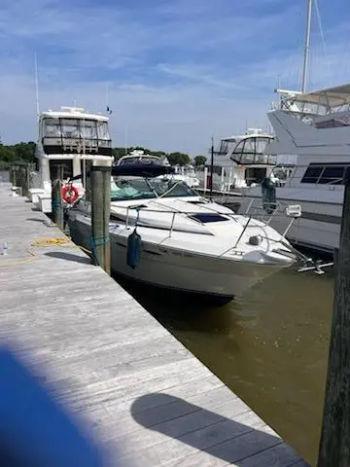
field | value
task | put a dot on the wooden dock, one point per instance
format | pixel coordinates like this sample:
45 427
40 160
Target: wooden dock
145 397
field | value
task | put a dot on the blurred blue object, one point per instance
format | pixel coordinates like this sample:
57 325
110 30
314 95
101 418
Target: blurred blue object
34 429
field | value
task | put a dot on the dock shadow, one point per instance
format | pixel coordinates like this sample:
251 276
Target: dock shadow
68 257
210 432
34 219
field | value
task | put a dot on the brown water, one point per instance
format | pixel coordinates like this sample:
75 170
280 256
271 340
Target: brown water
269 347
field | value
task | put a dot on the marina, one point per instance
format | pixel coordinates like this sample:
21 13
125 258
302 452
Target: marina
147 398
164 303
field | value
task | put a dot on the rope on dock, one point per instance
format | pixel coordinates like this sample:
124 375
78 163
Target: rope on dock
52 241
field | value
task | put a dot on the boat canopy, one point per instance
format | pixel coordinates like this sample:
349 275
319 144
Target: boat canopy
251 150
142 169
330 97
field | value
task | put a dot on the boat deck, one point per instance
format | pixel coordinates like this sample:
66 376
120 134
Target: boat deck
146 398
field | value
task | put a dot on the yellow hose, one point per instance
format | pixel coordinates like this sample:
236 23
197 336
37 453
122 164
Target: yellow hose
52 241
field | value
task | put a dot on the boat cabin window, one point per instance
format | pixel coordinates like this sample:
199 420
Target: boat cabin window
207 217
252 151
88 129
138 188
135 160
52 128
75 128
69 128
102 130
324 174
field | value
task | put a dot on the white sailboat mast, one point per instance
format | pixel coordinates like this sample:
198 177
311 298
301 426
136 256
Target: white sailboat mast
307 45
36 85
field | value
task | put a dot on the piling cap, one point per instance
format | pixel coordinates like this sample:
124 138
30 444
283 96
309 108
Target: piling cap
103 162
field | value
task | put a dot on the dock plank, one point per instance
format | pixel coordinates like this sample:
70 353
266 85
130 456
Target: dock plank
111 363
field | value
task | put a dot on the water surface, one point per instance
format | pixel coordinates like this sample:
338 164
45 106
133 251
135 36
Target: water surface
270 347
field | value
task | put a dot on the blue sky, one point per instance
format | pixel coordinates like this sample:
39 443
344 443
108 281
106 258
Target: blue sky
178 71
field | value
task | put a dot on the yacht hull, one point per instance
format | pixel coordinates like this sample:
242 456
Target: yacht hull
318 227
177 269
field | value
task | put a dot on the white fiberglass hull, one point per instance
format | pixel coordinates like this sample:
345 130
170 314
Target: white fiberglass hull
177 269
318 227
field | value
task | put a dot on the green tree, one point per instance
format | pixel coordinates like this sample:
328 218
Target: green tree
25 151
120 152
7 153
199 160
179 158
20 152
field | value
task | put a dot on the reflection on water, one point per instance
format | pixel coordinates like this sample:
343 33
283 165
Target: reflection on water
270 347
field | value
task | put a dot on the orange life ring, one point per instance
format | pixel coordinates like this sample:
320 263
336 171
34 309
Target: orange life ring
69 193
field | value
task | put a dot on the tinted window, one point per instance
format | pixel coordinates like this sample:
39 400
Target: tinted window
326 174
312 174
333 175
205 218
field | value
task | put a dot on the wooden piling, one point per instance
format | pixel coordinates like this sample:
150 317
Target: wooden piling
57 204
100 213
335 437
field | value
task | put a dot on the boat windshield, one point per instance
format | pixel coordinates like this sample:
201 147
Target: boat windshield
75 128
137 188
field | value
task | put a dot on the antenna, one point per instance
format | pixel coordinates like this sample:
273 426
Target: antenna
36 85
307 45
107 95
211 169
108 108
126 138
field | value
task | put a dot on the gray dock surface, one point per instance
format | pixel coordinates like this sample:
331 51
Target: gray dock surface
144 396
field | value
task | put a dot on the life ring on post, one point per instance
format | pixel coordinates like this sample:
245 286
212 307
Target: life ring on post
69 193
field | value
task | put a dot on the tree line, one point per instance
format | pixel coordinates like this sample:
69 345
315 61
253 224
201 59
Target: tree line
174 158
25 152
20 152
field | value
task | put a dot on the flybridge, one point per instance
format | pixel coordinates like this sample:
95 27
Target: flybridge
76 112
322 101
72 130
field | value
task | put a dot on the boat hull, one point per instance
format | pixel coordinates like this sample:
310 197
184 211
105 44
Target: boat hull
318 227
177 269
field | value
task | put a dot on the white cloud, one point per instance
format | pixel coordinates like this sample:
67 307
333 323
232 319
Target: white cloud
178 72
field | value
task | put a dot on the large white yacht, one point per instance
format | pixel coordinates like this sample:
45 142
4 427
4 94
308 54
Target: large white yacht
316 127
187 242
68 139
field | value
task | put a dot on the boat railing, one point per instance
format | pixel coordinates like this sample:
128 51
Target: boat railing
189 215
268 211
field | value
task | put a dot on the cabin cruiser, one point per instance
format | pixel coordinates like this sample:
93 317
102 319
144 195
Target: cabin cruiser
187 242
69 140
241 160
185 173
315 126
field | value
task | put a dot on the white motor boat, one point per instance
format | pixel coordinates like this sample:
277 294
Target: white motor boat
241 160
187 242
185 173
69 140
